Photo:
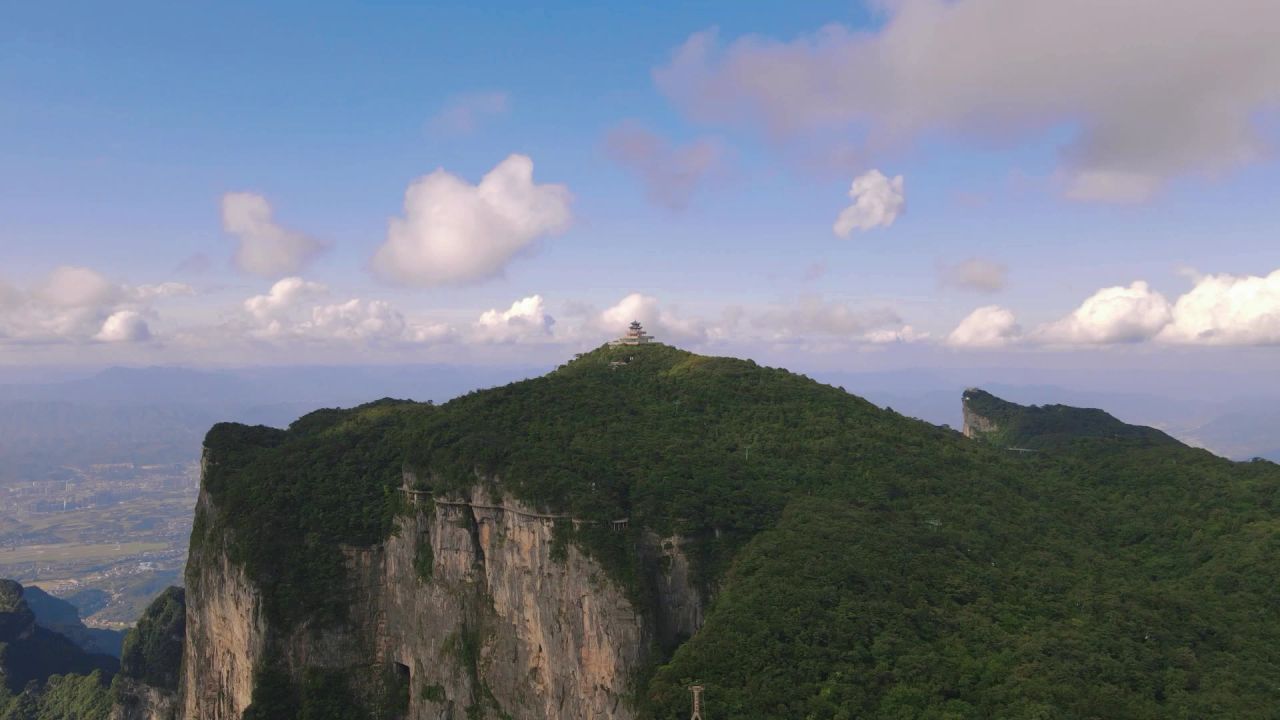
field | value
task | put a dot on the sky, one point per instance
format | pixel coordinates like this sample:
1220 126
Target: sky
842 185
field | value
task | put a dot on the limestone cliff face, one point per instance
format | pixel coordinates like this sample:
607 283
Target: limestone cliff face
974 424
226 629
138 701
500 627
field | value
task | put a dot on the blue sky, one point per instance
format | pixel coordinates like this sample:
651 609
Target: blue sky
124 128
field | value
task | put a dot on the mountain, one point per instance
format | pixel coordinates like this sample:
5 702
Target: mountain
63 618
1007 424
44 674
590 543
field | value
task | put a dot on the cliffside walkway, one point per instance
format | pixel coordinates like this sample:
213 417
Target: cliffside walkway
617 524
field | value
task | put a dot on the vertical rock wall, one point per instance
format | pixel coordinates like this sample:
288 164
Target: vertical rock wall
499 626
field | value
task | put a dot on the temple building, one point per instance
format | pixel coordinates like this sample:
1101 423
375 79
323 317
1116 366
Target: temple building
635 336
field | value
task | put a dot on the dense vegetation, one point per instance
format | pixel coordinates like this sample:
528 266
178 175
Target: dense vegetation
152 651
1052 426
60 697
44 675
865 564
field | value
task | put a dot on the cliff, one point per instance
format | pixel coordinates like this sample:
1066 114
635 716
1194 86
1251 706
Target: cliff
471 609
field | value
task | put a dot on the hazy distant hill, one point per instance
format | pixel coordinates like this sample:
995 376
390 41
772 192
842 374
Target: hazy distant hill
64 618
160 415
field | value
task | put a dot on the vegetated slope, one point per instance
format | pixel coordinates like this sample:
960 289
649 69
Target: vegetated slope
865 564
42 673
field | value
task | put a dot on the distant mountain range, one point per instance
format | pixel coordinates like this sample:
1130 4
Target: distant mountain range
159 414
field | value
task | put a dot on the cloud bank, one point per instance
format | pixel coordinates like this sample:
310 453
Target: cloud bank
1222 310
1152 89
77 305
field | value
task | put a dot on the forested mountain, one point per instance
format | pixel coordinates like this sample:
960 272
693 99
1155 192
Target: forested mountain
43 674
846 561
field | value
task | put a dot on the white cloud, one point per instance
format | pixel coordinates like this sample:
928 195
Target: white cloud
453 232
265 248
660 321
124 326
904 334
356 319
1228 310
463 115
812 316
144 293
526 319
671 175
79 304
294 308
877 202
988 326
975 274
1112 315
284 297
1152 89
78 287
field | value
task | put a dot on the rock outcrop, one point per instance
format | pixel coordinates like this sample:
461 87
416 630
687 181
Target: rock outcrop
974 423
468 610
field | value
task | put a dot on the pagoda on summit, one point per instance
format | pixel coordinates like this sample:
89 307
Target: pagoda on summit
635 336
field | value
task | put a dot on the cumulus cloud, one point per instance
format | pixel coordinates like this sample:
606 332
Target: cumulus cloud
1227 310
877 202
79 304
356 319
976 274
453 232
295 308
526 319
904 334
124 326
1112 315
1218 310
463 115
265 247
671 175
284 297
1160 88
658 319
987 327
